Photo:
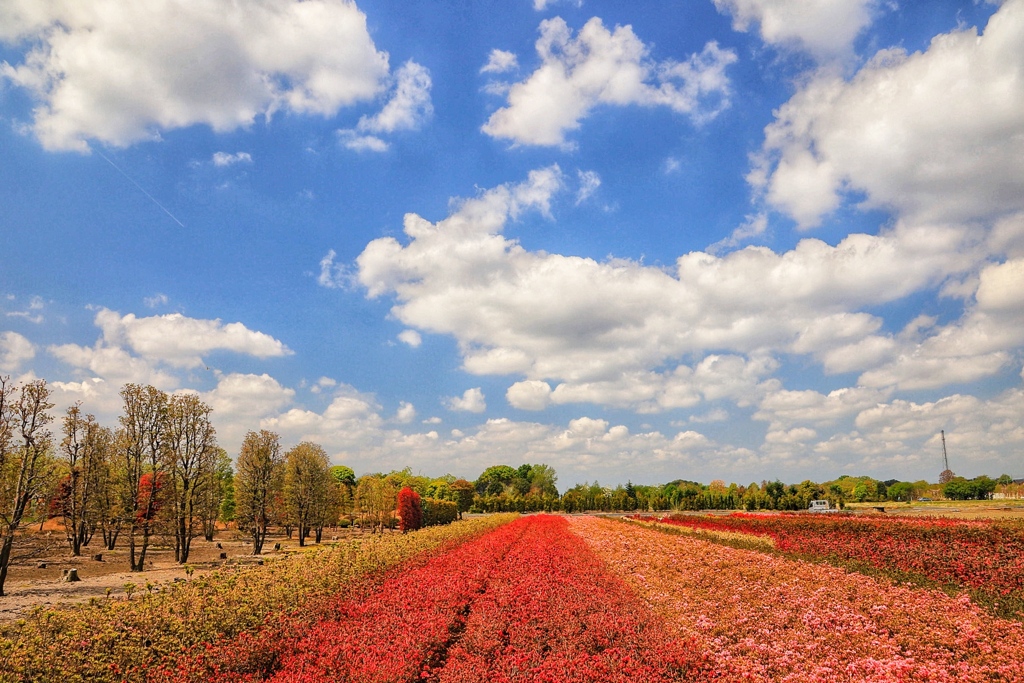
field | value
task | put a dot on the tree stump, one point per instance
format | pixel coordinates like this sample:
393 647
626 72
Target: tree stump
219 546
223 556
71 575
277 546
40 565
98 557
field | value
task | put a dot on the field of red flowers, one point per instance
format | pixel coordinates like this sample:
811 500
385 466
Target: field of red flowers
974 554
568 600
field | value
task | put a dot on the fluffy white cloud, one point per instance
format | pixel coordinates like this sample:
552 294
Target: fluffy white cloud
1001 287
112 71
15 351
602 67
499 62
823 28
181 341
322 384
608 330
114 365
531 394
406 412
408 108
980 344
350 425
471 401
410 337
783 409
246 398
227 159
980 434
937 136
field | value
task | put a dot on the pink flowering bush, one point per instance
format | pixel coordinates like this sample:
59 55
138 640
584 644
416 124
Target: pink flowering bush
767 618
980 555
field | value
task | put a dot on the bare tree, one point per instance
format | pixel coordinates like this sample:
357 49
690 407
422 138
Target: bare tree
306 479
84 453
26 458
192 447
143 450
257 484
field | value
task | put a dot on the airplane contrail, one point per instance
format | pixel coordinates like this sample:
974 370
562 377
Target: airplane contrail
141 189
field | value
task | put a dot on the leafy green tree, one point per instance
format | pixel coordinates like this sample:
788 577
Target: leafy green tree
901 491
192 449
26 458
959 489
142 448
217 495
494 480
85 452
375 502
306 479
257 483
343 475
463 491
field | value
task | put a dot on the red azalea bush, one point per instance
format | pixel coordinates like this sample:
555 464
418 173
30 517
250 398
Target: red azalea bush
410 512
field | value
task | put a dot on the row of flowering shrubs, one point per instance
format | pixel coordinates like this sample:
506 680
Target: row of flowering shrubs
982 555
763 617
526 602
116 639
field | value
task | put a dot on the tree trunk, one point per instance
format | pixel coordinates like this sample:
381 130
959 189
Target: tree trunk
110 536
185 533
5 559
258 537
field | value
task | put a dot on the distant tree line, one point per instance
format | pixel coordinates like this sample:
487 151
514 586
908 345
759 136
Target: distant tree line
160 473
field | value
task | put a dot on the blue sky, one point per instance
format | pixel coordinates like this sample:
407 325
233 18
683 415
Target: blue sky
732 239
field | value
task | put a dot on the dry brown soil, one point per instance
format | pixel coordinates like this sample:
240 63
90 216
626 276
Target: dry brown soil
28 585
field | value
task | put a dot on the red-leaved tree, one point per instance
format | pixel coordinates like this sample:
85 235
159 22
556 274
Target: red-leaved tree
410 513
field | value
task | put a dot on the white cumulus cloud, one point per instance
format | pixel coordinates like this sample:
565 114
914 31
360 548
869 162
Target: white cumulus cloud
15 351
610 68
499 62
823 28
112 71
411 338
182 341
529 395
471 401
614 332
936 136
407 109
